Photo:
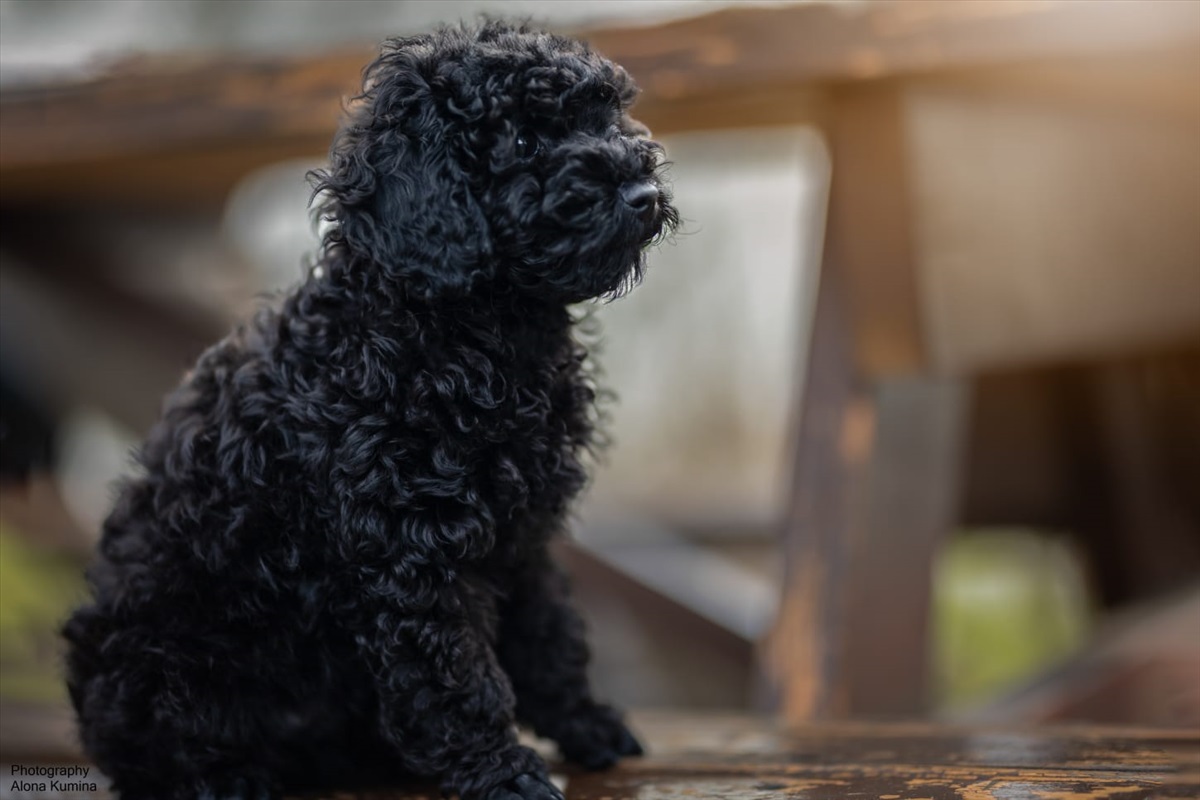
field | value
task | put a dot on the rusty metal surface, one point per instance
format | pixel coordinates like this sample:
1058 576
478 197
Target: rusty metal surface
714 757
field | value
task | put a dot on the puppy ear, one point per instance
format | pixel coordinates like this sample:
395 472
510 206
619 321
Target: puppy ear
395 191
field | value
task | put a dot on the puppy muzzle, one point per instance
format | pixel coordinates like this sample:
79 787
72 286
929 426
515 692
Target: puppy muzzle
642 198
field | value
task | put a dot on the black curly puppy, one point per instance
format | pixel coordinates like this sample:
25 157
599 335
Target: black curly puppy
333 568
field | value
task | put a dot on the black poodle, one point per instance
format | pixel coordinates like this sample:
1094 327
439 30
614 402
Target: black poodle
333 569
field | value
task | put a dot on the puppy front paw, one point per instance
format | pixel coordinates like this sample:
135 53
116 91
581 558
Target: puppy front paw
527 786
596 737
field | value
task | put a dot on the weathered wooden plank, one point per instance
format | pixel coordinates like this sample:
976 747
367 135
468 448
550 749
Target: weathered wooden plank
741 48
729 757
167 104
912 506
871 227
849 782
184 129
586 567
801 657
873 490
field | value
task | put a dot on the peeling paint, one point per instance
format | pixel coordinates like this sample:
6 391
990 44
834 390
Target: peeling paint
715 757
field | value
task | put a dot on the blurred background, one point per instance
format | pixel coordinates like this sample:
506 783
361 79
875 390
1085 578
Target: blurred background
909 418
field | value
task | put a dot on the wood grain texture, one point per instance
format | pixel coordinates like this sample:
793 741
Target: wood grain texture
911 511
182 130
714 757
802 655
870 227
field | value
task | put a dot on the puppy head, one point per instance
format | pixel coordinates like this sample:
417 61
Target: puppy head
496 156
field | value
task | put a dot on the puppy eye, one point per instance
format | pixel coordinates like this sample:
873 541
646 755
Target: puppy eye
526 145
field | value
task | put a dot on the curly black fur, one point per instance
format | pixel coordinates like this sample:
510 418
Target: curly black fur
333 567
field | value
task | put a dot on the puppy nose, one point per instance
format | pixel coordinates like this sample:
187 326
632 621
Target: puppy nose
642 197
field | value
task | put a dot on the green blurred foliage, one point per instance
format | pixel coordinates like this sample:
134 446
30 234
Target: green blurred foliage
37 591
1006 604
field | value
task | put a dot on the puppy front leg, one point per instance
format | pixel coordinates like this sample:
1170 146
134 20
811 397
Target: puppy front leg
542 647
445 704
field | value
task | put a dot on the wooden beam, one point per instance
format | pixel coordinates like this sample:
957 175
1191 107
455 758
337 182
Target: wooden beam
184 129
878 448
738 49
874 494
587 568
801 658
870 215
175 132
177 104
910 506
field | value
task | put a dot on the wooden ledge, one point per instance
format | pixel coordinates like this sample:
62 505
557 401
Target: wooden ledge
184 129
728 756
